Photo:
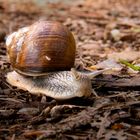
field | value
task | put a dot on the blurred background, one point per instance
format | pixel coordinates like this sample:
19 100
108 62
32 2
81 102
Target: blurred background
100 27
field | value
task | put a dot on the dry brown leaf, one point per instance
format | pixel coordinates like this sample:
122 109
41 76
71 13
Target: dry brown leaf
128 54
109 63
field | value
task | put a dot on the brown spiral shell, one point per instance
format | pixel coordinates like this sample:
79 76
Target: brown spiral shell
43 47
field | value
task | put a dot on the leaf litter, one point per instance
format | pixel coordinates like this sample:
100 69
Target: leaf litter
105 32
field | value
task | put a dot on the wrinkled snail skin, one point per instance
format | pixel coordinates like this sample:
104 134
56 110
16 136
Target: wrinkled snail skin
40 48
59 85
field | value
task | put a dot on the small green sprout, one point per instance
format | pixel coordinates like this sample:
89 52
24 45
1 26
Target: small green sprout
126 63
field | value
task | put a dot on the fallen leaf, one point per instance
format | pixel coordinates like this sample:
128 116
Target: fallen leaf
128 55
109 63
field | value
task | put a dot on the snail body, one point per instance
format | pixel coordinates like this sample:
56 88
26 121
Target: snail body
42 56
59 85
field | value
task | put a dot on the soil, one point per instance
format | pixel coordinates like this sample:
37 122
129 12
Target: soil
101 28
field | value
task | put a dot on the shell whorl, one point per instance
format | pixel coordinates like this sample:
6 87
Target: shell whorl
42 47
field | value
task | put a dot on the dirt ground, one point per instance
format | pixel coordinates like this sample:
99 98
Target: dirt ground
105 32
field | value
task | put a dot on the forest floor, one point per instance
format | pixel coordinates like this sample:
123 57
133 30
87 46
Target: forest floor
105 32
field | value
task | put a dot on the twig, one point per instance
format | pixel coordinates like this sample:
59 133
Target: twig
102 125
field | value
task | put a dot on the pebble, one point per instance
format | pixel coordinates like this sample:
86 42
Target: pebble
29 111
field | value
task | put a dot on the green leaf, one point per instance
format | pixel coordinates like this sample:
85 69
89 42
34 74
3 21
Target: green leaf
134 67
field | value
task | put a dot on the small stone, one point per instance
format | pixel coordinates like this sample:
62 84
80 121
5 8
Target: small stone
29 111
116 35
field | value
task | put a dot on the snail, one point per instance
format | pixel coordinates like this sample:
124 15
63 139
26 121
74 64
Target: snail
42 56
